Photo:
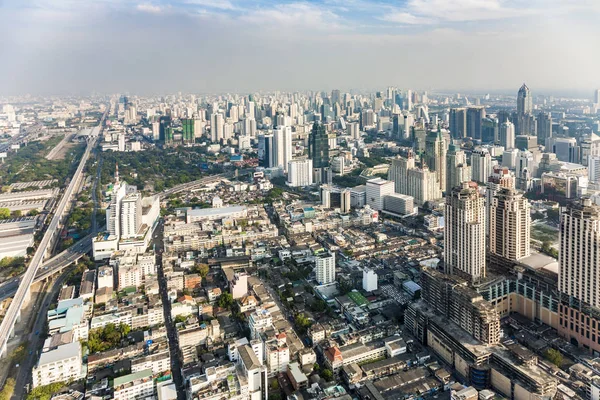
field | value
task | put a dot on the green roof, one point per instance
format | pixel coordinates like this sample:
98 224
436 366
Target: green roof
132 377
357 298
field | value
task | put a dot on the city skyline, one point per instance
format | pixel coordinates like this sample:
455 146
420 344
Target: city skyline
206 46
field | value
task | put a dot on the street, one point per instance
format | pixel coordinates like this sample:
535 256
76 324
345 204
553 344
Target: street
176 366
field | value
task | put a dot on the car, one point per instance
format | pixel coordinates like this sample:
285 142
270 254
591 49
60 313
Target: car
37 333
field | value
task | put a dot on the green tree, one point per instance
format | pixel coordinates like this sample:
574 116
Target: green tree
225 300
17 213
4 213
201 269
124 330
555 357
8 389
327 375
45 392
33 213
302 322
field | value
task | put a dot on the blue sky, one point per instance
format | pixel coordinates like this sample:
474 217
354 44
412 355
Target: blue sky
77 46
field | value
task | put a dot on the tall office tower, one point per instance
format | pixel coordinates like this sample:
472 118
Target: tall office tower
250 111
165 122
376 190
566 149
249 127
345 201
597 96
422 185
578 278
335 96
475 116
457 169
121 141
489 130
408 123
282 144
409 100
510 225
481 161
594 169
525 169
325 267
503 116
131 215
544 127
464 238
353 130
524 111
367 118
318 146
435 156
300 173
188 130
507 135
398 172
458 122
266 151
234 113
217 124
590 146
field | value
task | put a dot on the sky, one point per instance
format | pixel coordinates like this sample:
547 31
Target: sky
217 46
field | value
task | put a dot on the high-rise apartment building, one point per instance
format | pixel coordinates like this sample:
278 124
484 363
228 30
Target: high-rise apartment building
217 125
398 172
579 277
489 130
131 215
507 135
510 225
300 173
435 156
325 268
422 185
464 239
457 169
282 146
579 255
481 161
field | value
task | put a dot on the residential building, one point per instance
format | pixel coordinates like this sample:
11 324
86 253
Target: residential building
61 364
510 225
138 385
325 268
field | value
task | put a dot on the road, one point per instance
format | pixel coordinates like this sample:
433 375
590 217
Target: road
22 292
176 365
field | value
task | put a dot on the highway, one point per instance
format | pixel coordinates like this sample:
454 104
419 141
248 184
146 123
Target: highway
22 292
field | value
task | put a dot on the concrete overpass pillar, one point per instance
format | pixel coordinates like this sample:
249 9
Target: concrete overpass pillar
17 320
26 298
4 349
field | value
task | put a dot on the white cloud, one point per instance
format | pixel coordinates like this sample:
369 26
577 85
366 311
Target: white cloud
149 8
407 19
218 4
302 15
436 11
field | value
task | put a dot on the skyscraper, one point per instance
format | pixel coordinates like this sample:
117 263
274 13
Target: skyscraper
217 124
464 238
489 130
282 145
597 96
458 123
377 189
475 116
525 122
318 146
266 151
398 172
480 164
457 169
300 173
510 225
579 278
544 127
435 156
188 129
507 135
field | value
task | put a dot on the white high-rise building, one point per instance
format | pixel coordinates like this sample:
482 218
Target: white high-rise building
457 169
423 185
481 161
300 173
282 143
217 124
579 255
509 158
131 215
354 130
510 225
464 238
507 135
155 130
377 189
594 169
398 172
369 281
325 268
61 364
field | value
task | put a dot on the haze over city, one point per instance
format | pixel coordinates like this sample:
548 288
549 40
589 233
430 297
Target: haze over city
150 47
